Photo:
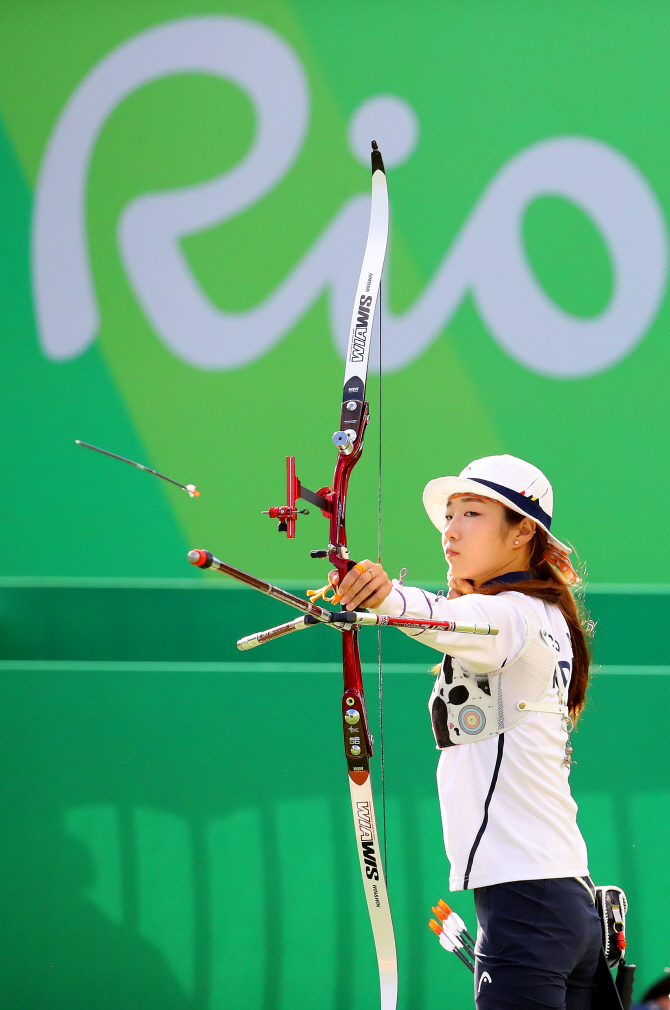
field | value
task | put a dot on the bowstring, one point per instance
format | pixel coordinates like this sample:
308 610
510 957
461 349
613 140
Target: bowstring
379 630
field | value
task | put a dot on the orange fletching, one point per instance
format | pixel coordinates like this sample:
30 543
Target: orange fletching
441 915
435 926
445 908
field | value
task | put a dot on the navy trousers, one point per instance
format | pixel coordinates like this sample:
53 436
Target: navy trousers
537 945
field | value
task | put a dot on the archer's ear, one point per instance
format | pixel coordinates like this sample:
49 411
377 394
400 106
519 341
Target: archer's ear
527 527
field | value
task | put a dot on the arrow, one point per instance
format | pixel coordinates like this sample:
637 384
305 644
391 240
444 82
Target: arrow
190 488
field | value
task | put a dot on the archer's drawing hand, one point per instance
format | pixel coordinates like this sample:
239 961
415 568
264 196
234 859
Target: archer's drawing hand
366 588
458 587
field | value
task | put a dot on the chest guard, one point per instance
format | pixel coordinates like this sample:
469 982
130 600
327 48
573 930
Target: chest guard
466 707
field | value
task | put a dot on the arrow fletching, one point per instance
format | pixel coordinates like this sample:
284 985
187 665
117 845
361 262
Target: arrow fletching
450 929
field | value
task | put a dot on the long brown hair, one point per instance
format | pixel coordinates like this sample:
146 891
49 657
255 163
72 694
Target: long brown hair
550 585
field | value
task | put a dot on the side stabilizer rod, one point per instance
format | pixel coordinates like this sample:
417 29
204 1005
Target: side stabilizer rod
261 637
346 619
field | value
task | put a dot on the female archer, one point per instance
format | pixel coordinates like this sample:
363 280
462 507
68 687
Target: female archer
501 708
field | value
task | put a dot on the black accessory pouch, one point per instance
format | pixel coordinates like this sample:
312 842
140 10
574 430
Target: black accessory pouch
609 994
612 907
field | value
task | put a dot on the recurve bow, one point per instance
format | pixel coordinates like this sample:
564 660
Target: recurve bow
333 502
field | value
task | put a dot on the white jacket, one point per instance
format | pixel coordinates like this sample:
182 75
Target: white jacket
507 811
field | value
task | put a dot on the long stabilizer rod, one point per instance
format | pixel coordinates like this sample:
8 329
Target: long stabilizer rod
203 559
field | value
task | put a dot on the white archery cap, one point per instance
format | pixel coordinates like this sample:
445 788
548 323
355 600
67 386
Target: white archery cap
506 479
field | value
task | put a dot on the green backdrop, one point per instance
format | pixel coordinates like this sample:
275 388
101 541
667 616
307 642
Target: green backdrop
175 823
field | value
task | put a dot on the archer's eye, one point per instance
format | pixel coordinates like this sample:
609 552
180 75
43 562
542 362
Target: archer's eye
472 513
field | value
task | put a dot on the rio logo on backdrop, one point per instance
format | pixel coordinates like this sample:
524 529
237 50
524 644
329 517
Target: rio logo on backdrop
487 259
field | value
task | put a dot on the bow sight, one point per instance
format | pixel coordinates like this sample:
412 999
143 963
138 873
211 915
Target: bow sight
287 514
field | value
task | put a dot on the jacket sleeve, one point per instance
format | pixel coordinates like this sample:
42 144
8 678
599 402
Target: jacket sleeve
476 653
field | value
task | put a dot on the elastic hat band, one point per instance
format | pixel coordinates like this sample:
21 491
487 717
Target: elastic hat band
560 560
526 503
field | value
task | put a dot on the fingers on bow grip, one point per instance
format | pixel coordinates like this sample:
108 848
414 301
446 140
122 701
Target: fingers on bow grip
322 594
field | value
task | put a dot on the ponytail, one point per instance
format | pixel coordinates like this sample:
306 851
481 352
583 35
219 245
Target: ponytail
550 585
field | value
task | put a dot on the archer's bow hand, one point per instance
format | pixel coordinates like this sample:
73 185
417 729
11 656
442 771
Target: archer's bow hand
364 585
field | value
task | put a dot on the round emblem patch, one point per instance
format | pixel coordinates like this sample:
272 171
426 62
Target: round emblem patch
471 720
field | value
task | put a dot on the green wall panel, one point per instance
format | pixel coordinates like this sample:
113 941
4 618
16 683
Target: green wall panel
175 814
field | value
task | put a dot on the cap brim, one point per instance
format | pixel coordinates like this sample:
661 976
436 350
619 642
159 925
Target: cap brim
437 493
